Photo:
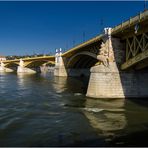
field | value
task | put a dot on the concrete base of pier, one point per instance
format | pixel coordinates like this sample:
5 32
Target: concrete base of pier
4 69
24 70
109 82
60 71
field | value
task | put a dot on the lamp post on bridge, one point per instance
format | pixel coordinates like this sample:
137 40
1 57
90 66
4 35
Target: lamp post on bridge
108 33
56 57
60 56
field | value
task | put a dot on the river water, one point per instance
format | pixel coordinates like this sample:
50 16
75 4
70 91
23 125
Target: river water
43 110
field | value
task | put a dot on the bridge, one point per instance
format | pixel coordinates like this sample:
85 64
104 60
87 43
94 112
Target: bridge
26 65
115 62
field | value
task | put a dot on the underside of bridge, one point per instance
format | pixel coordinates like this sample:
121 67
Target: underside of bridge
33 64
82 61
36 65
80 64
12 66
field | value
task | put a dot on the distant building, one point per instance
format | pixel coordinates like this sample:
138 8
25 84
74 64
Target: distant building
2 58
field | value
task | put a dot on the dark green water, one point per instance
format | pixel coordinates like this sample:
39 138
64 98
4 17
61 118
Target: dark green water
43 110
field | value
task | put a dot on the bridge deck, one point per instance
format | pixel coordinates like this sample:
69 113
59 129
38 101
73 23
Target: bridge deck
52 58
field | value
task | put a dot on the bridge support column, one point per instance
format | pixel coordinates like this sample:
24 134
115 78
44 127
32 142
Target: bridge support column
22 69
110 82
105 82
60 69
4 69
105 79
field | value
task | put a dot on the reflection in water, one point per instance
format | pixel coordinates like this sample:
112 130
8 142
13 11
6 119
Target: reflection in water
60 84
106 116
2 84
23 85
67 84
21 80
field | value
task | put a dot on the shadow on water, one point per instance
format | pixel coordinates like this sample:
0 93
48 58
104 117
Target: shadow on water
73 84
136 131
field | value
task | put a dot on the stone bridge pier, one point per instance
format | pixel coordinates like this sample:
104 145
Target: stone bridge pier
22 69
4 69
105 79
60 68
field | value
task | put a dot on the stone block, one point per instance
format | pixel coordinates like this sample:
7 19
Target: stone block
109 82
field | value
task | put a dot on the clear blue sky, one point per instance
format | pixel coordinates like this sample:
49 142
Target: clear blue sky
40 27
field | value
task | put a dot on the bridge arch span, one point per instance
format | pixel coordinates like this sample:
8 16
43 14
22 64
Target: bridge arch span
12 64
37 63
84 59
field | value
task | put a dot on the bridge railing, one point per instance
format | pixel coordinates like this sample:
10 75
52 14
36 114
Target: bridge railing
132 21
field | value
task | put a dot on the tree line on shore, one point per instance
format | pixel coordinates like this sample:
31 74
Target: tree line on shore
13 57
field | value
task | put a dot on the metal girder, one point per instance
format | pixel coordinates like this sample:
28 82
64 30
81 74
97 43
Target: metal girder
135 60
136 45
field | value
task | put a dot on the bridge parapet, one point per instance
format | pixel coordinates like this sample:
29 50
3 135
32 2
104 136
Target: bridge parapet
142 17
136 51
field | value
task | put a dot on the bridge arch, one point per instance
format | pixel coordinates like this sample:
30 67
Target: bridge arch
37 63
84 59
12 64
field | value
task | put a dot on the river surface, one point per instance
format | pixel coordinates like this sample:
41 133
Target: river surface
43 110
